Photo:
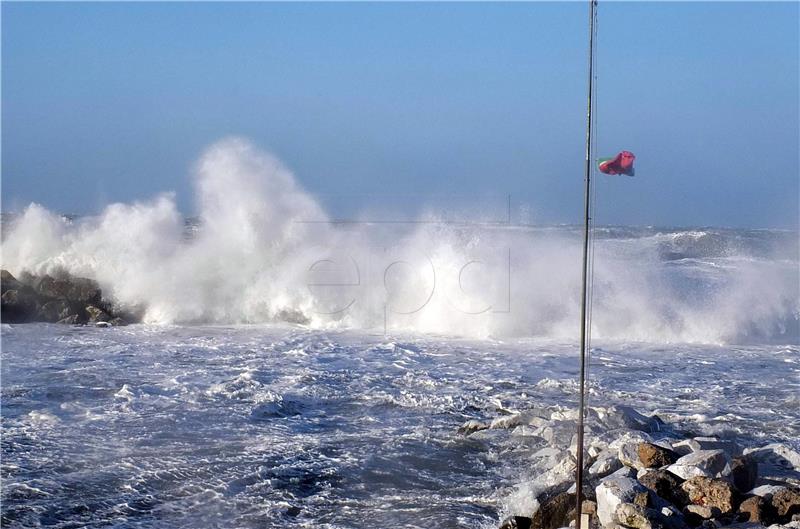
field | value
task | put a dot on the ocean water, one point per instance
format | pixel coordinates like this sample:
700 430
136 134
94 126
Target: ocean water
274 426
296 371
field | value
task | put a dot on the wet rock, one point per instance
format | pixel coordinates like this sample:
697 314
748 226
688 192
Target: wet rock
627 417
612 492
70 320
516 522
96 314
785 503
708 463
292 316
77 289
665 485
708 492
55 310
555 512
117 322
472 426
19 305
54 299
752 509
653 456
9 282
744 472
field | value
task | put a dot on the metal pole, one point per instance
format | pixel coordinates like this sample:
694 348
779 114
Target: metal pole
586 200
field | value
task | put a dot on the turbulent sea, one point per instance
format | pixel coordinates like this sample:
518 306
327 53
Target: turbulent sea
294 371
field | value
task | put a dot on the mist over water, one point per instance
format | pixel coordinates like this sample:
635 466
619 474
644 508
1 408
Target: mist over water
263 251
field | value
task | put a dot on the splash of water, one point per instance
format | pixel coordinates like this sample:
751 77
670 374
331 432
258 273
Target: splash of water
256 258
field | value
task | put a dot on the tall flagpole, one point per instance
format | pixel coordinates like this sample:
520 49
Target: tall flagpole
586 200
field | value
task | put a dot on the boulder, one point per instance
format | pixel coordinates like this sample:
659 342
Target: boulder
76 289
8 281
696 514
627 417
708 463
654 456
777 462
516 522
765 491
628 454
639 517
55 310
709 492
665 485
612 492
785 503
472 426
555 512
631 515
606 463
752 509
744 472
292 316
19 305
96 314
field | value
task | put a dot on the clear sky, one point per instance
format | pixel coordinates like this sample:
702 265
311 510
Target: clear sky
107 102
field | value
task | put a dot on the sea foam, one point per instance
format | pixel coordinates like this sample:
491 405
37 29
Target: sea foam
265 251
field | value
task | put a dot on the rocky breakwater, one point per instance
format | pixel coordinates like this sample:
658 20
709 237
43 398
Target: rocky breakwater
61 299
641 474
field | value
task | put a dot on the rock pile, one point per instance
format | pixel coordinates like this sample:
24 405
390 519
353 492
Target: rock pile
62 299
642 475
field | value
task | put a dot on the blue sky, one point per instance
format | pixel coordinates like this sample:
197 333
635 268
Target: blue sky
399 102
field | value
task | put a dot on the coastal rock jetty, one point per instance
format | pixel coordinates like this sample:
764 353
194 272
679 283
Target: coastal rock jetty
642 474
61 299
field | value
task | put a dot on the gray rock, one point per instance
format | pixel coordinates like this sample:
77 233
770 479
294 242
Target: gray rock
472 426
55 310
19 305
612 492
629 455
69 320
292 316
708 463
76 289
777 462
765 491
606 463
96 314
695 514
9 282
